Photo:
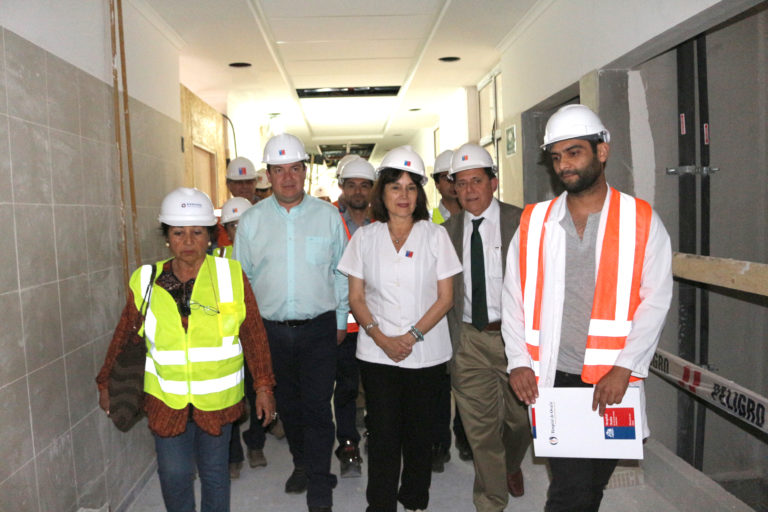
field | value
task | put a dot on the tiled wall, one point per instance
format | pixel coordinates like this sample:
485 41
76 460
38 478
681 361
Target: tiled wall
61 281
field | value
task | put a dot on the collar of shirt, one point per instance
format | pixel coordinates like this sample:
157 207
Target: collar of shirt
445 212
295 210
491 216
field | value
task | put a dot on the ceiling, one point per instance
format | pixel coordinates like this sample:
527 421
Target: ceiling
336 43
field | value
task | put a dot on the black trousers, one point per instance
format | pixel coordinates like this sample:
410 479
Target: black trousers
345 392
577 485
400 404
304 362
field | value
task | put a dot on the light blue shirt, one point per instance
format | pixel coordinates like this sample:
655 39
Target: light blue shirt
290 258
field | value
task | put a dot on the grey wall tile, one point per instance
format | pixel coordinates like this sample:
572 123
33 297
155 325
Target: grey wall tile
62 92
76 312
108 299
19 492
15 429
102 237
70 240
25 79
42 325
92 494
35 244
88 452
66 168
95 100
56 476
9 273
6 191
99 181
30 162
3 102
48 404
81 388
12 363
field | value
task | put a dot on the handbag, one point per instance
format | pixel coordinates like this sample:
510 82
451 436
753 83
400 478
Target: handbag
126 380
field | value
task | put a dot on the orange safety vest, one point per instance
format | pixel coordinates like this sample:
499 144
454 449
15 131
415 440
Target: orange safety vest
352 325
617 287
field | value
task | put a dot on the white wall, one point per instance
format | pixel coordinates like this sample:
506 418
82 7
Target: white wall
561 40
79 32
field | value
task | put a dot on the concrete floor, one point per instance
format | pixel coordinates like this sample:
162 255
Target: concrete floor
262 489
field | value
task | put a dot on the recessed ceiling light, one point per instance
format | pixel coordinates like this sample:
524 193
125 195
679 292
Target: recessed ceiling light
239 64
449 59
397 135
413 109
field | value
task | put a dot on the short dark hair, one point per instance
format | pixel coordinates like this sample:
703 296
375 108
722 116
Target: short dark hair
389 175
488 172
303 163
165 228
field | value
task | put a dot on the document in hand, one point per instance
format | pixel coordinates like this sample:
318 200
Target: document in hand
564 425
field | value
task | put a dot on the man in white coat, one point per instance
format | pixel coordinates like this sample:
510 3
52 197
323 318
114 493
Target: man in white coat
586 292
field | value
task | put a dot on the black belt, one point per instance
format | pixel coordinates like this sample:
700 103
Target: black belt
491 327
292 323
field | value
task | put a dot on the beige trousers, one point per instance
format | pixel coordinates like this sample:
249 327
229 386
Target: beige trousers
495 421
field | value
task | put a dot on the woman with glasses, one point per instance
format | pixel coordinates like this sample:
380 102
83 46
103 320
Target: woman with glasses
400 272
198 317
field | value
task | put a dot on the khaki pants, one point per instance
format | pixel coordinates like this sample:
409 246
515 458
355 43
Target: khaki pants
495 421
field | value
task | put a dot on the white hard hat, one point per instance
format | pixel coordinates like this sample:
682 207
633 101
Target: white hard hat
320 192
471 156
241 169
344 161
574 122
262 181
187 207
284 149
357 168
233 209
442 162
405 159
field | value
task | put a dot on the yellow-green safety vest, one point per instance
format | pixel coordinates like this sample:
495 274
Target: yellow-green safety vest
204 365
437 217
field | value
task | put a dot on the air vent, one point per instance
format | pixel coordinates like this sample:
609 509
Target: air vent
332 153
348 92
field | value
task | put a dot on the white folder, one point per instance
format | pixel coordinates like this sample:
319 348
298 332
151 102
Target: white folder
564 425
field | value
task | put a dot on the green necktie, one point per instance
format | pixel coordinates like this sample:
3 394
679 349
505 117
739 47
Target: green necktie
479 304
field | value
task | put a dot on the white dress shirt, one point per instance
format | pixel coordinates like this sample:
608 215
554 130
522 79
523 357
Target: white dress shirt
490 232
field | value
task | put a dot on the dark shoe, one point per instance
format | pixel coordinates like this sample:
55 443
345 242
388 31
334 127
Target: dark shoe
349 459
256 458
320 509
462 445
234 470
515 483
440 455
276 429
297 482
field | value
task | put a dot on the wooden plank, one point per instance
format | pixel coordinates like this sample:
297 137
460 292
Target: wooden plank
745 276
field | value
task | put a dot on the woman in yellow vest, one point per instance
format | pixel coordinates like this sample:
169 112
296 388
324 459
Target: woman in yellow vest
201 324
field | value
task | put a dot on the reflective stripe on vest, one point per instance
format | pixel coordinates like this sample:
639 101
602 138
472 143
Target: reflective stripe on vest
437 217
617 286
204 365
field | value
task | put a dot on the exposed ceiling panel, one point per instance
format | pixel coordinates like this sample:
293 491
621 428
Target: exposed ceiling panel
338 43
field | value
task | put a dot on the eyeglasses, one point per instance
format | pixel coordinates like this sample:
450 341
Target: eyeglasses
208 310
186 309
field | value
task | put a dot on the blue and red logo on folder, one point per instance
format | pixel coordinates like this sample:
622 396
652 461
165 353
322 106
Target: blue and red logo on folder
619 423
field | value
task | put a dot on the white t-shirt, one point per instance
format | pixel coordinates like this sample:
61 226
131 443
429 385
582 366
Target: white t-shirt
401 286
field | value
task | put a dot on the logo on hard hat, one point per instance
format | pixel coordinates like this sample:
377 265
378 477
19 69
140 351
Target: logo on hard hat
191 205
464 158
281 152
407 163
242 171
234 210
